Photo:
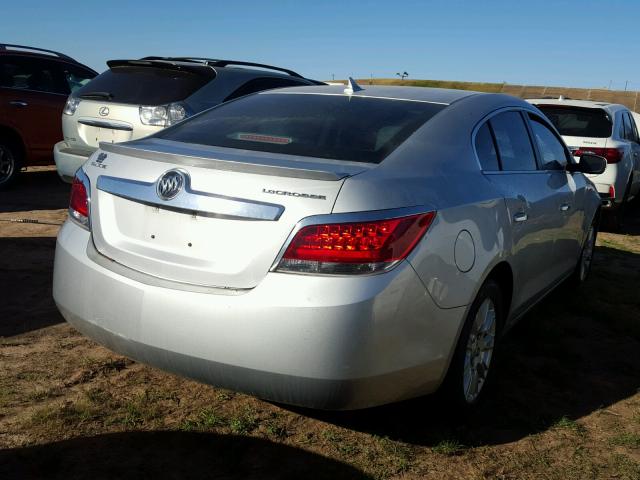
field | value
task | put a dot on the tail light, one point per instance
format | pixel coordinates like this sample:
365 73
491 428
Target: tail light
79 202
613 155
163 115
354 247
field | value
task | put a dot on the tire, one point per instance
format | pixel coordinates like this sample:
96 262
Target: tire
10 163
471 366
583 268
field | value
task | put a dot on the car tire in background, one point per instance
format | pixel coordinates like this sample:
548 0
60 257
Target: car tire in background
473 362
10 162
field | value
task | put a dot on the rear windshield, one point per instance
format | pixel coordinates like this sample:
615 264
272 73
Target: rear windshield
143 85
357 129
579 122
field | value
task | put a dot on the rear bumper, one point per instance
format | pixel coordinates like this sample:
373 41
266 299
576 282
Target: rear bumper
68 160
320 342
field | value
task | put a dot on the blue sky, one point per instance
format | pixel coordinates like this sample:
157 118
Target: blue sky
584 43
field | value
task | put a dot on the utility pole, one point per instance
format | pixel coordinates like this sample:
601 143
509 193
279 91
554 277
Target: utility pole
625 85
610 82
333 76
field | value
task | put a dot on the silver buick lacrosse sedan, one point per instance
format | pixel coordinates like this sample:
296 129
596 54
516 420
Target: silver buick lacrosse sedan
329 247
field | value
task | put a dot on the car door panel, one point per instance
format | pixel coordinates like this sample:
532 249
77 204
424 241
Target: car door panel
533 210
553 157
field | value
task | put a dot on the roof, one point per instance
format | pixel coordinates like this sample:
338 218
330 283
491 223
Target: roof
418 94
577 103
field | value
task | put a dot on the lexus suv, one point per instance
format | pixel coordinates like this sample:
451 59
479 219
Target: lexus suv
604 129
34 85
135 98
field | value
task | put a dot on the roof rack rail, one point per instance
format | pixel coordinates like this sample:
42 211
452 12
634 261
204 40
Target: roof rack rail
214 62
3 46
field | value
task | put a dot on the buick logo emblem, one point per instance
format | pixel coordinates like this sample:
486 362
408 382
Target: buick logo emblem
170 184
104 111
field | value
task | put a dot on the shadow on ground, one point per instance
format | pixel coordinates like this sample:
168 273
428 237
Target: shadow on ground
160 455
35 189
573 354
26 271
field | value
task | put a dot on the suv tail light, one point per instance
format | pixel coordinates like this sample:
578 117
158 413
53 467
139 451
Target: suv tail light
354 247
163 115
71 105
79 202
613 155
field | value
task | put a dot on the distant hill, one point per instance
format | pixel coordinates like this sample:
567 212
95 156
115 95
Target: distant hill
630 99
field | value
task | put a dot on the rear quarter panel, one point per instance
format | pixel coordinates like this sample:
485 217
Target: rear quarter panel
450 280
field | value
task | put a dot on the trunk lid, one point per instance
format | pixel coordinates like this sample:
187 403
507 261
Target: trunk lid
227 225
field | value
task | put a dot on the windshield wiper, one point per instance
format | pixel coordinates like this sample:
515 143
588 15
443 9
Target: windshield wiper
105 95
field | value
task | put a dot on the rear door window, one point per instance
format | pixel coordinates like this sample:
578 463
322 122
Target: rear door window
76 77
260 84
145 85
578 121
634 127
552 152
486 149
514 144
340 127
33 74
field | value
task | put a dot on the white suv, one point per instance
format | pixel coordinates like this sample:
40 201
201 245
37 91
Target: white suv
135 98
605 129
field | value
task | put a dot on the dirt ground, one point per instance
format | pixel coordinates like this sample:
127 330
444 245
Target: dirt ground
566 403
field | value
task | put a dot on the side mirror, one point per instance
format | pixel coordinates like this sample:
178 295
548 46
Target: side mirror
589 163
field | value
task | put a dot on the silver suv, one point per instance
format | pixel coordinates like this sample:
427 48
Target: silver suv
135 98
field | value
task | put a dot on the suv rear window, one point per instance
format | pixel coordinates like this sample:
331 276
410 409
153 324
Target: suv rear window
144 85
341 127
579 122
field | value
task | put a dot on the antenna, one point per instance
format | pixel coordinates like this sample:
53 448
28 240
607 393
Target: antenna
352 86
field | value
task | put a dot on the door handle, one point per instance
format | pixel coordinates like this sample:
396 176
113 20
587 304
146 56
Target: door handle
564 207
18 103
520 217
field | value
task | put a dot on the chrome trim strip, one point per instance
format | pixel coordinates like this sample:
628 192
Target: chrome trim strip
191 201
103 124
368 216
206 161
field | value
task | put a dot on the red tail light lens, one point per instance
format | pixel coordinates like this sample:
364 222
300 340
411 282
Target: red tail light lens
355 247
79 201
613 155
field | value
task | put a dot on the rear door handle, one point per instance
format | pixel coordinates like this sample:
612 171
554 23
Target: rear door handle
520 217
564 207
18 104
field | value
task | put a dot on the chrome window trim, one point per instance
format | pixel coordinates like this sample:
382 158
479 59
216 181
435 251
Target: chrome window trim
489 116
191 201
366 216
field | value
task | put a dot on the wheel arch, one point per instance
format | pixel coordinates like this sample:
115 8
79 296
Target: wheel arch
502 274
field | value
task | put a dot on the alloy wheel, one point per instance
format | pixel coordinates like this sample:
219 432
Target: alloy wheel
587 254
479 351
7 164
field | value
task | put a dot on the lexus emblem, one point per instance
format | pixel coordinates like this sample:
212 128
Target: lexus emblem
104 111
170 184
